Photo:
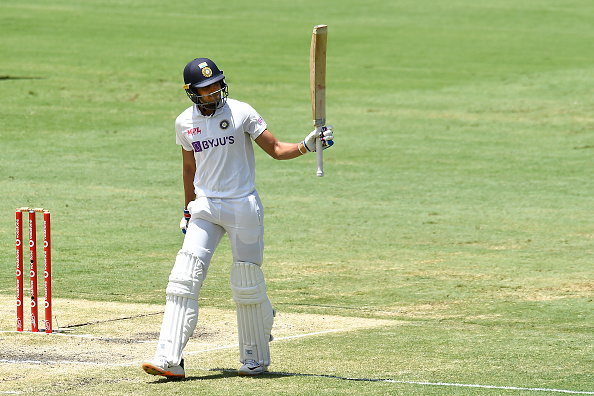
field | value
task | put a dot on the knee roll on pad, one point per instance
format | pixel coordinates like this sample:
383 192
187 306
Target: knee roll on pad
186 276
255 315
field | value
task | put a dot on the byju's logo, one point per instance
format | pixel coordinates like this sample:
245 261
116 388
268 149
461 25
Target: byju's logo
202 145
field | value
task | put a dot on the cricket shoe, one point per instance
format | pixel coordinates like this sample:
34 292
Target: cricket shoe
159 366
251 367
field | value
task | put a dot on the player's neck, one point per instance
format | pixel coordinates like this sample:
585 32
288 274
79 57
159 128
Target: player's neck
207 112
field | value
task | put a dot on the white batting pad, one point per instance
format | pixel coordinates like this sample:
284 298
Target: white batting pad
181 309
255 315
179 322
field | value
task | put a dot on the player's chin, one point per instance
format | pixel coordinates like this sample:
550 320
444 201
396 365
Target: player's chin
209 106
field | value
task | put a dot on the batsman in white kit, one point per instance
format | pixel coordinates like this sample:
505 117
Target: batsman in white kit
216 135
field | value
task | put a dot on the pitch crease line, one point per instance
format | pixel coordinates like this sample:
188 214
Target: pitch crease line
43 334
52 362
275 339
237 345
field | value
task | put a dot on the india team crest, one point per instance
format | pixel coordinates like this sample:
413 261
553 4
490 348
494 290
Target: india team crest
207 72
224 124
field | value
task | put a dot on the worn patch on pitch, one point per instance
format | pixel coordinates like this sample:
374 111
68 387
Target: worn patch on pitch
91 332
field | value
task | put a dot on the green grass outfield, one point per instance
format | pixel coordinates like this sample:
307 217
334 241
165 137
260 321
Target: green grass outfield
458 201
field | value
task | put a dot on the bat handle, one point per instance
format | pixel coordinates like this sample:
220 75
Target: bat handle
320 155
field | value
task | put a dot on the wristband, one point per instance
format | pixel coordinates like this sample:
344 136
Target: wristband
300 146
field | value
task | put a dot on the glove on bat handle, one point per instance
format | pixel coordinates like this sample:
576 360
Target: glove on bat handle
319 152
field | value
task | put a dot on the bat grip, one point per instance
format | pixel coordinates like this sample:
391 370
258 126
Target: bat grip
320 155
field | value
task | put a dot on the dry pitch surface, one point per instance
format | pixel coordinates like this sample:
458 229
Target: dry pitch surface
92 336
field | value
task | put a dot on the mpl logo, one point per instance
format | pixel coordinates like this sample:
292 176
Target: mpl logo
202 145
193 131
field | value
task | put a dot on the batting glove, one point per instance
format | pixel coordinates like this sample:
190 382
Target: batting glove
183 225
309 143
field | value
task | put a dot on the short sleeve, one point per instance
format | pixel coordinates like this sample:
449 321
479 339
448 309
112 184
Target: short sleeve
181 137
254 124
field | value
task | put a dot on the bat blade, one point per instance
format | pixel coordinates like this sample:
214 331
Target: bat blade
317 80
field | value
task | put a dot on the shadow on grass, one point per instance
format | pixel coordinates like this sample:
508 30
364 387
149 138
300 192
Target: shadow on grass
225 373
230 373
5 77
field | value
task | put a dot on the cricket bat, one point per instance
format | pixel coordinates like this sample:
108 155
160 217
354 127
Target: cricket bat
317 82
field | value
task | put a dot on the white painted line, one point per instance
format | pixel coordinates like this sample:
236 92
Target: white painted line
237 345
276 339
52 362
310 334
88 336
41 333
483 386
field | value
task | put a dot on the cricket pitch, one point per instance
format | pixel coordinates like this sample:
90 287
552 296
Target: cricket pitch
90 335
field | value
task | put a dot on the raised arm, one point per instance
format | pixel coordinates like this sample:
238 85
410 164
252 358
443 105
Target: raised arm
277 149
284 151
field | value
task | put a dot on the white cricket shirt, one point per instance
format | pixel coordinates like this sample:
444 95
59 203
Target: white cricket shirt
222 146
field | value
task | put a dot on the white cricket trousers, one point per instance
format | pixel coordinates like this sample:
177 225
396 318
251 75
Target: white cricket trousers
241 218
